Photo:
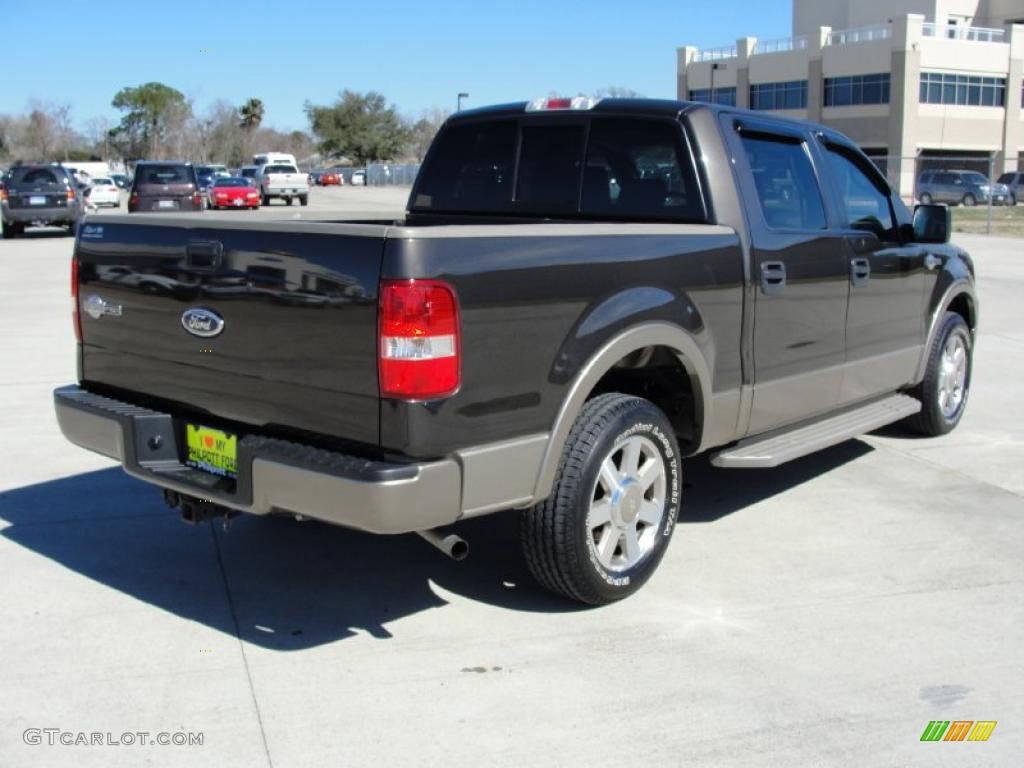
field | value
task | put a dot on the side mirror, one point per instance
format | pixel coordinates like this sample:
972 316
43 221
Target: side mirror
932 224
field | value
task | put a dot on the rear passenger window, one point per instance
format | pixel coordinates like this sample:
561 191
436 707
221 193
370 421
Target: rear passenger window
634 170
787 188
866 205
549 168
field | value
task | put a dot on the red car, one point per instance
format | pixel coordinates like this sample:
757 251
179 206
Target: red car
233 192
327 178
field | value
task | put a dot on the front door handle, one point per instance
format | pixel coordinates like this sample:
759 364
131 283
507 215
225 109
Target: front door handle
860 271
773 277
931 261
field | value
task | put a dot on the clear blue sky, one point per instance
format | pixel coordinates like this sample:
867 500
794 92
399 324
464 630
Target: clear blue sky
418 54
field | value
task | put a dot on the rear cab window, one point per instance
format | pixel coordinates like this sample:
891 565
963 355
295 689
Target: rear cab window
280 169
566 167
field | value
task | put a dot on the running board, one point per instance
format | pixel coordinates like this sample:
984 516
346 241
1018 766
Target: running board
779 447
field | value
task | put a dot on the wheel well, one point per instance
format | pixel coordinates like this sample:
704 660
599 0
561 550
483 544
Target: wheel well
657 374
961 304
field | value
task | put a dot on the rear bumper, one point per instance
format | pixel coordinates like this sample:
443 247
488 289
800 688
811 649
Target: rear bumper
273 475
41 215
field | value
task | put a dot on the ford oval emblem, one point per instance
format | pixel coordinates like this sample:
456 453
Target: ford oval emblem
202 322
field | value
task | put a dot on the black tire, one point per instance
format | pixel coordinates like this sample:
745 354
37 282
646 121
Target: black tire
289 200
303 199
1013 199
10 231
970 200
557 541
933 419
265 200
926 199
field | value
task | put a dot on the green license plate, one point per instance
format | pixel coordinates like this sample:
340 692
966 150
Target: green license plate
212 450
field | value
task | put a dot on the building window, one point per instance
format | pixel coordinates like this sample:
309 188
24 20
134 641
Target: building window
725 96
964 90
788 95
858 89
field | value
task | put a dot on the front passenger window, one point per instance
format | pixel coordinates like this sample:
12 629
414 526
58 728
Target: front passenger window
866 204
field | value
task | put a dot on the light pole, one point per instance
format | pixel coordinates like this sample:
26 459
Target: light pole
458 102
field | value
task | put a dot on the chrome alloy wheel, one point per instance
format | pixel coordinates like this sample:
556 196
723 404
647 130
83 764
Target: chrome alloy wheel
627 504
952 376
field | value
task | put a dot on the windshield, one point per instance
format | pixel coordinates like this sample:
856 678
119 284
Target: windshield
975 178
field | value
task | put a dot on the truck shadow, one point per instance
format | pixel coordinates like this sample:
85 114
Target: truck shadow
285 585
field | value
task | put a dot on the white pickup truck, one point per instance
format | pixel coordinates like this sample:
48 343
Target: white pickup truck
283 181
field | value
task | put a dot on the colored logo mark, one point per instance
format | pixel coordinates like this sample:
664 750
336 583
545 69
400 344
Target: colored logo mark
958 730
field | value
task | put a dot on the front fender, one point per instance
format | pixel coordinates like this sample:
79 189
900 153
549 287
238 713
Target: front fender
954 282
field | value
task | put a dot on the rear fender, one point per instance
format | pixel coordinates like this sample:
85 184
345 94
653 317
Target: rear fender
614 327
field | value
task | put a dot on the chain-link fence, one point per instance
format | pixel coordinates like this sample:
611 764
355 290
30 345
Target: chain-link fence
390 174
983 188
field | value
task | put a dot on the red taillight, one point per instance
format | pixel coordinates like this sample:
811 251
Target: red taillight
3 194
71 194
76 318
197 198
134 199
419 353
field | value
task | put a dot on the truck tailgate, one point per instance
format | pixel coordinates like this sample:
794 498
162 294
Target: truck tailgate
298 301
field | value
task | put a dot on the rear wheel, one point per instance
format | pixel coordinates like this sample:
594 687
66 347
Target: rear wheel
266 200
288 200
10 231
947 379
303 199
926 199
970 200
606 525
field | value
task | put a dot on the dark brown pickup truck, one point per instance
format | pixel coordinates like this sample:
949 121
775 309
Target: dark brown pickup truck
580 295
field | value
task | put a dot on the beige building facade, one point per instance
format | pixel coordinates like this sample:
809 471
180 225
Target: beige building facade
908 80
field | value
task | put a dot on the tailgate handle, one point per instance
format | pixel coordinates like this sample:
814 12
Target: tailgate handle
204 254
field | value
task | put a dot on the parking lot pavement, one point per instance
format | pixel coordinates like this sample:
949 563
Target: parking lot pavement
821 613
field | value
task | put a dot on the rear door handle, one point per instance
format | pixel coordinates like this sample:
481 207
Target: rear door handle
773 277
860 271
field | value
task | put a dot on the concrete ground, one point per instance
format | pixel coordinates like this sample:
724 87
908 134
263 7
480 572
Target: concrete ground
821 613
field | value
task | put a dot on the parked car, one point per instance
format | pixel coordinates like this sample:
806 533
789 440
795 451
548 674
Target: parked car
283 181
40 195
359 178
121 180
330 178
248 172
1015 183
661 279
958 187
233 192
165 186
